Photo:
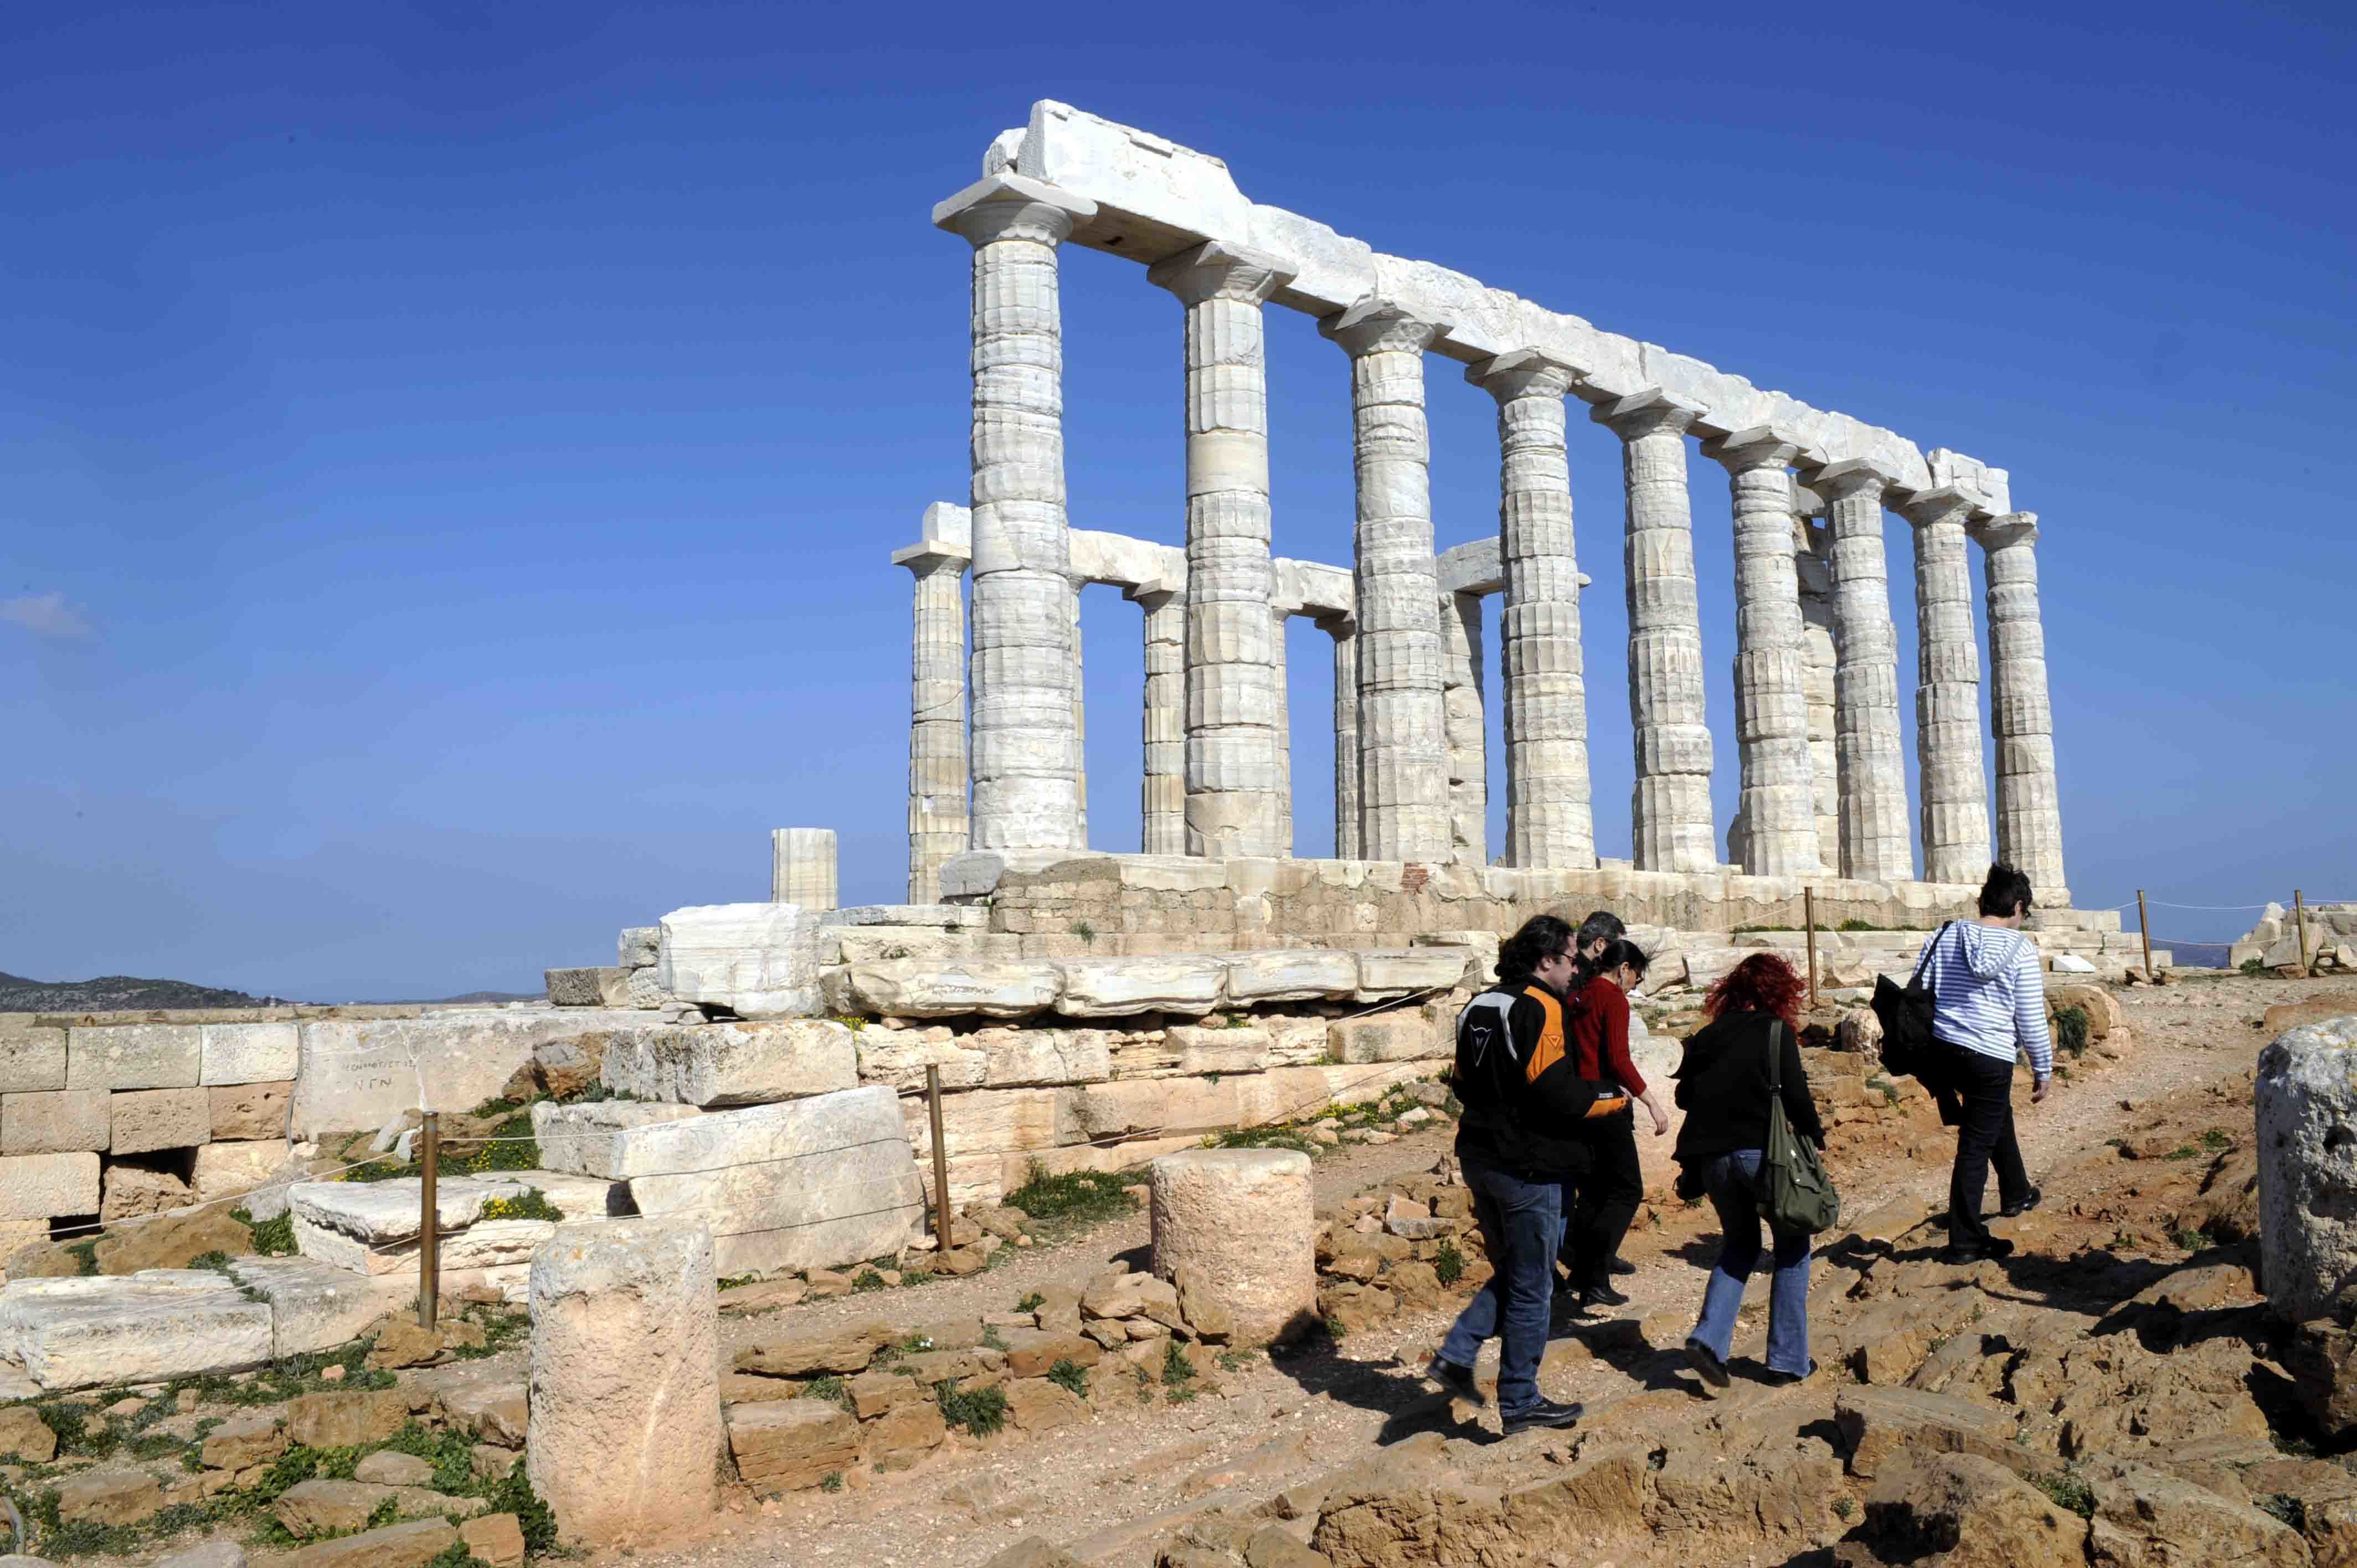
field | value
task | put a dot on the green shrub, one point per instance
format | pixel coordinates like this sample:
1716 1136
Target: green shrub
1076 1195
2286 1507
867 1279
2071 1029
532 1204
1447 1262
1854 924
1176 1369
981 1412
2069 1493
831 1482
2253 966
1032 1302
1070 1374
85 1255
2216 1140
1264 1138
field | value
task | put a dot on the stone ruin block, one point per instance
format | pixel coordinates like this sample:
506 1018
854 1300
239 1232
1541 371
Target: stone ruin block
135 1056
144 1327
359 1073
32 1061
1119 987
145 1121
57 1123
38 1187
606 987
726 1065
579 1139
759 961
231 1054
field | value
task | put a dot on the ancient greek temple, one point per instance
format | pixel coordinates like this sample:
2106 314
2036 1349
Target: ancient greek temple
1824 791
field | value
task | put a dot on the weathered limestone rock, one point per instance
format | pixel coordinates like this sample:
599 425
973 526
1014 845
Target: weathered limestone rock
359 1073
806 1184
1116 987
108 1497
1240 1222
244 1441
1979 1512
625 1377
212 1554
25 1435
346 1418
148 1119
168 1240
58 1123
639 947
315 1306
718 1065
251 1111
789 1444
1289 974
247 1053
601 987
1395 971
410 1545
2306 1104
372 1228
495 1540
320 1507
910 989
759 961
32 1061
801 867
150 1326
1396 1037
224 1170
133 1055
34 1186
1014 1058
579 1138
130 1191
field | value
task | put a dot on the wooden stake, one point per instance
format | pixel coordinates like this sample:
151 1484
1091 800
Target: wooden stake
1809 918
2300 925
2143 924
429 1229
940 1162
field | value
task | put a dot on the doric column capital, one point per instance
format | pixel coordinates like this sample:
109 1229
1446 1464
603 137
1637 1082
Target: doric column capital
1154 595
1376 324
1524 372
1011 207
1217 270
1646 413
1943 503
2001 532
1851 476
924 560
1762 447
1338 627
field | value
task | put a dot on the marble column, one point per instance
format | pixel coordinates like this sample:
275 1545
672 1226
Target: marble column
801 867
1820 682
1771 720
1345 633
1461 705
1231 664
1670 810
1163 792
937 775
1402 734
1080 731
2021 718
1869 757
1026 755
1284 735
1550 823
1955 823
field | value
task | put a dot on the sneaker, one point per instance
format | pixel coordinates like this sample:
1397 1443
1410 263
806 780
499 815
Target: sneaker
1453 1380
1602 1296
1786 1380
2014 1210
1546 1413
1705 1360
1620 1266
1995 1246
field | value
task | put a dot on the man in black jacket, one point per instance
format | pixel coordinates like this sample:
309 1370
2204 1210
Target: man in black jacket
1522 1103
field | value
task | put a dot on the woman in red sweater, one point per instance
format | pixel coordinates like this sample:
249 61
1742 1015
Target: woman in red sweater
1600 1203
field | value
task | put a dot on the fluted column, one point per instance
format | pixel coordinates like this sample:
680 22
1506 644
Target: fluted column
1820 666
1344 630
1231 700
1869 755
1403 735
2021 718
1163 791
1278 619
1550 820
1771 720
1079 732
1461 705
937 776
1955 825
1026 754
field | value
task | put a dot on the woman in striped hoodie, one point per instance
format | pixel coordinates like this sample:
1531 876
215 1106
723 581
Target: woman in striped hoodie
1989 1000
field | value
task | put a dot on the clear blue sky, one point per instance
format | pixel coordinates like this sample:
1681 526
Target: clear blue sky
449 454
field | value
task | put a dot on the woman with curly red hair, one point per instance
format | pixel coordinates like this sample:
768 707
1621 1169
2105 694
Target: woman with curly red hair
1723 1087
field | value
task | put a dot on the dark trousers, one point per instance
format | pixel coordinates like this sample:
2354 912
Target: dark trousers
1984 1132
1600 1202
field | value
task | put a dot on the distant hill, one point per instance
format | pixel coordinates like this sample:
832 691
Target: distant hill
110 994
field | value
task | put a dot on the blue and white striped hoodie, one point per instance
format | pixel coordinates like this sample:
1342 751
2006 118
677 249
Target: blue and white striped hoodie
1989 993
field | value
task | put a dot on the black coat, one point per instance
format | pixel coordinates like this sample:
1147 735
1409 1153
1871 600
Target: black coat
1723 1089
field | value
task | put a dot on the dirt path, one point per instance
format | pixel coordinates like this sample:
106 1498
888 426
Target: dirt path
1108 1491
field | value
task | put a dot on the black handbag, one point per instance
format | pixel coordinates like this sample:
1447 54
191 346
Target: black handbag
1905 1013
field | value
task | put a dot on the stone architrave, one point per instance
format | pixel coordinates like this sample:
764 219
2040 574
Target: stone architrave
1403 729
1344 630
1771 719
1869 755
801 867
625 1395
1955 825
1025 753
2305 1099
1231 658
1461 704
1670 807
2021 717
1550 821
1163 788
1242 1223
937 765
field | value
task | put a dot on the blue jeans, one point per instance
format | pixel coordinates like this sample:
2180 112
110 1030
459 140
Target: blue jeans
1522 1226
1737 1185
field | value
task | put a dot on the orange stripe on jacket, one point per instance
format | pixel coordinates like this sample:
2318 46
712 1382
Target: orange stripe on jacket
1550 1049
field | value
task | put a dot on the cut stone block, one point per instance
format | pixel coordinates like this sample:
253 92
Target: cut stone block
605 987
129 1190
579 1138
1290 974
133 1055
32 1061
759 961
1397 1037
144 1327
806 1184
1018 1058
359 1073
935 917
792 1444
725 1064
39 1187
372 1228
910 988
150 1119
320 1507
315 1306
2306 1100
1393 971
639 947
410 1545
55 1123
249 1053
251 1111
1239 1224
625 1379
1118 987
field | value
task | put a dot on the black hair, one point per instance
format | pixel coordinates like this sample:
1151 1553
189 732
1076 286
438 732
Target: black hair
1616 951
1543 936
2006 892
1602 925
